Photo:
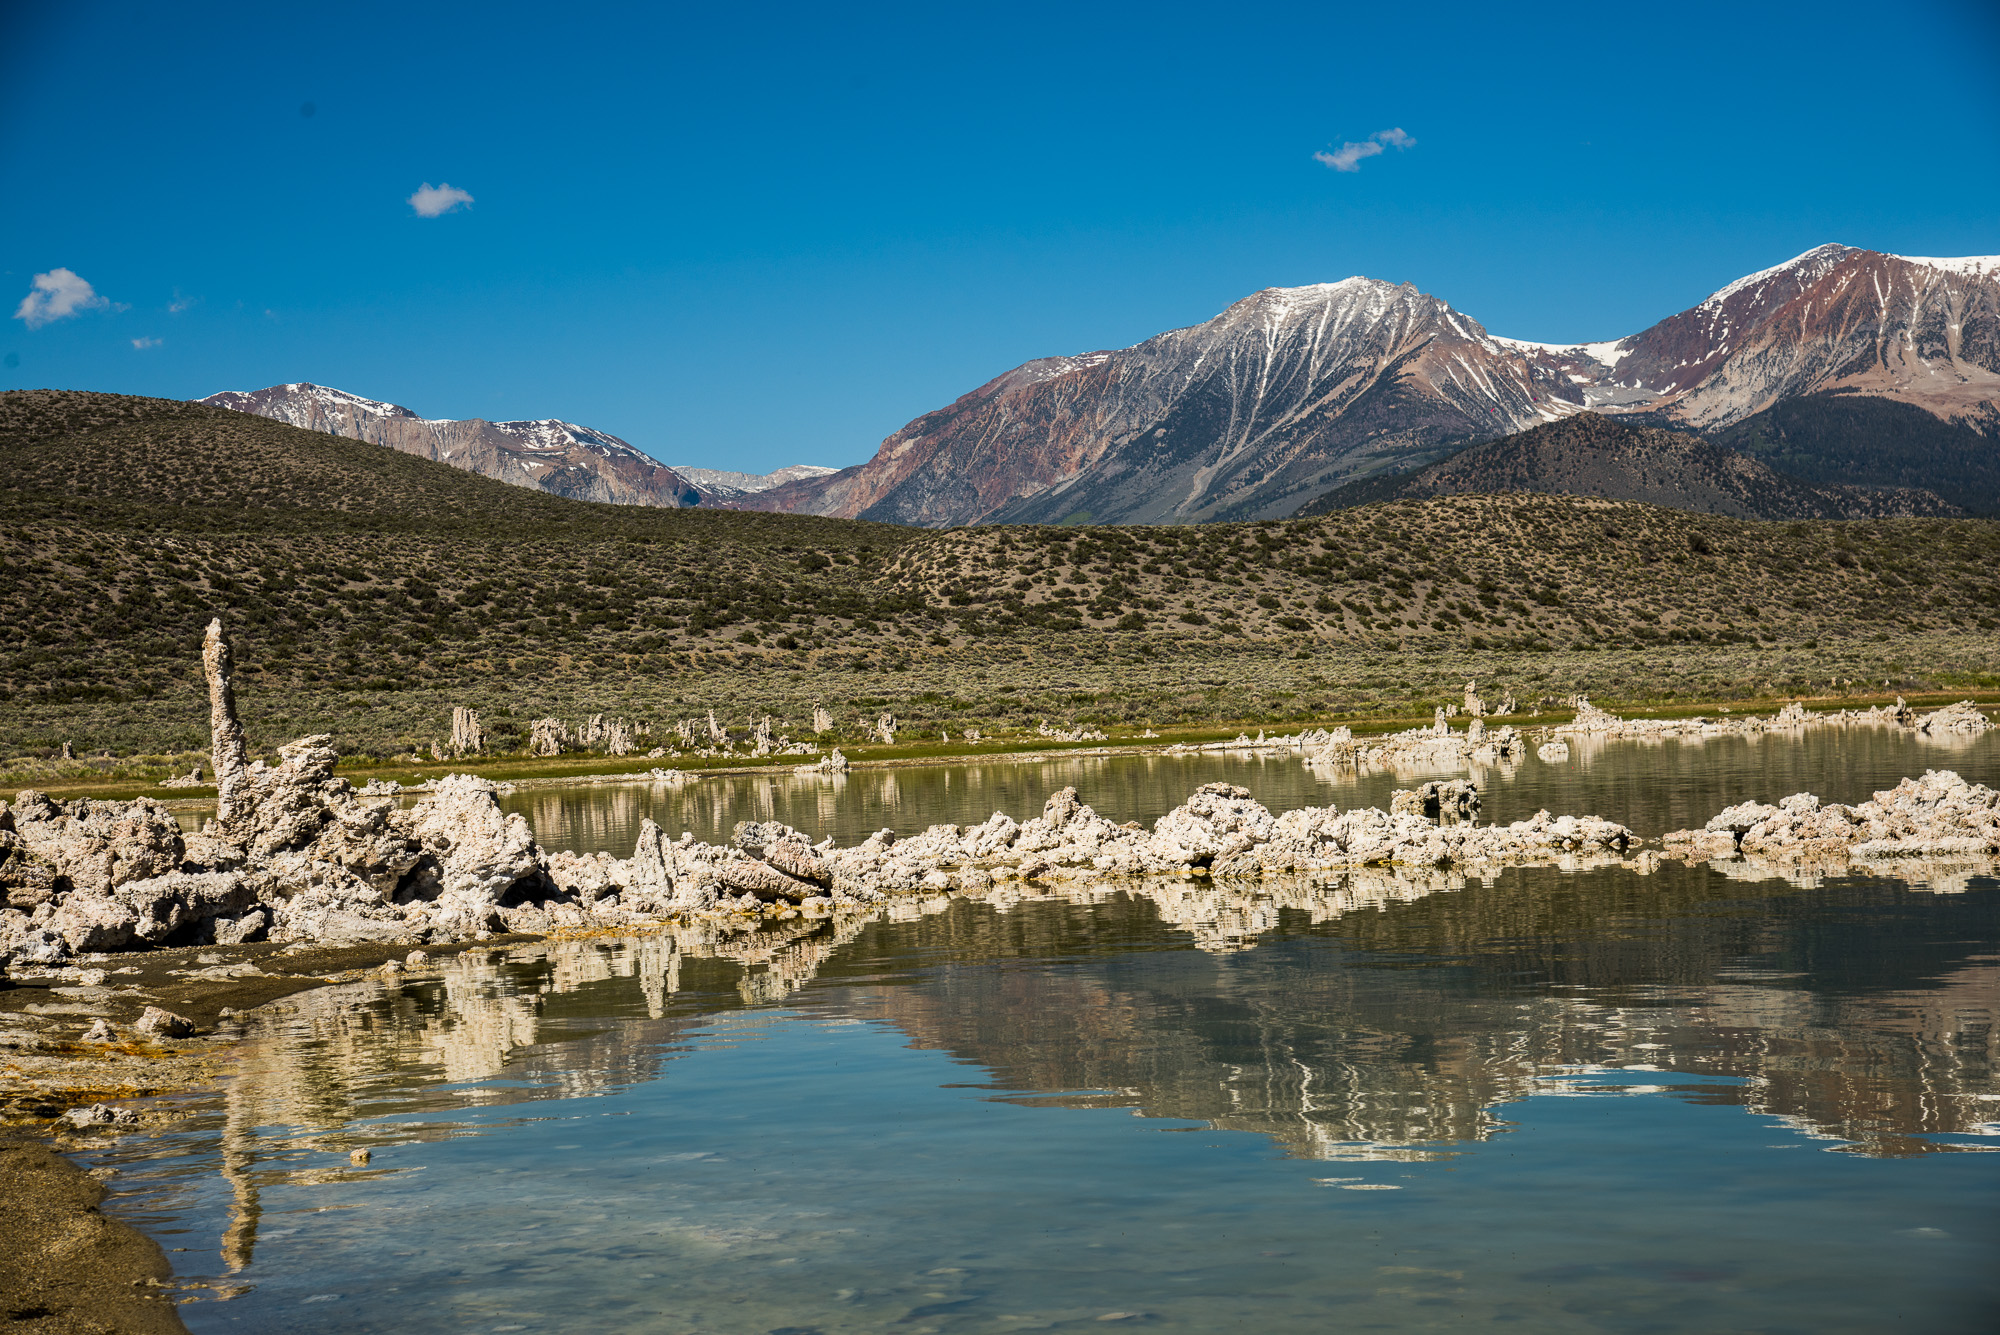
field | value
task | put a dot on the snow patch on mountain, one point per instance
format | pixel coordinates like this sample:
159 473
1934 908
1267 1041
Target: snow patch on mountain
1967 266
324 395
551 433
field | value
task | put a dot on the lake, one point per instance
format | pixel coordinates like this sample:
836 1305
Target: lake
1575 1101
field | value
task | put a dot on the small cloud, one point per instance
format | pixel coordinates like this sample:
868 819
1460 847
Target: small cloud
433 201
143 343
180 303
57 295
1347 158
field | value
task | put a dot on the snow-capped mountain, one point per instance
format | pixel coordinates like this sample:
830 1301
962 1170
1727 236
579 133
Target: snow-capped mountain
719 484
548 454
1293 391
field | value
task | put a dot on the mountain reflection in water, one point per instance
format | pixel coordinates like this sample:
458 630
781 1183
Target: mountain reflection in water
1373 1019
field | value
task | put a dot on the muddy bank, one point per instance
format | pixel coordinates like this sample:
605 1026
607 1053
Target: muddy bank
66 1268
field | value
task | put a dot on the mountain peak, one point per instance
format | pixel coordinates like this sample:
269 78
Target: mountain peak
305 390
1348 294
1807 267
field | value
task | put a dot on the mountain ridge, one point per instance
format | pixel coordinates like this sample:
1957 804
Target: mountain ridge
718 485
1293 391
546 454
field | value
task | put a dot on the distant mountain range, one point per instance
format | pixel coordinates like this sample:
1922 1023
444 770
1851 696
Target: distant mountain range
1843 367
1291 392
1593 455
721 485
547 454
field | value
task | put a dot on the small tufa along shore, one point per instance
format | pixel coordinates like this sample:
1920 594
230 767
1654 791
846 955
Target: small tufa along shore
1961 719
1439 747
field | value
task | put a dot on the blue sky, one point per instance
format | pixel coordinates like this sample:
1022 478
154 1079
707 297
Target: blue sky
774 234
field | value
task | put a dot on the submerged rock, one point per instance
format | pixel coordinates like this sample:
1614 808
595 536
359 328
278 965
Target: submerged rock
99 1114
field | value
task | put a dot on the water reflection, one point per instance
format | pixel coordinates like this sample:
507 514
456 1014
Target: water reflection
1376 1019
1381 1025
1650 785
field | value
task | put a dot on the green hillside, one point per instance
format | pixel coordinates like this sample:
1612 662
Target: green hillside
369 591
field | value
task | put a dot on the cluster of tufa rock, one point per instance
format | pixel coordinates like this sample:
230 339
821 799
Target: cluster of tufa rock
293 853
1219 832
1434 747
1937 816
1080 733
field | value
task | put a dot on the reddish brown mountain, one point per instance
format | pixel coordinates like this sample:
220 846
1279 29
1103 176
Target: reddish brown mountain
1292 392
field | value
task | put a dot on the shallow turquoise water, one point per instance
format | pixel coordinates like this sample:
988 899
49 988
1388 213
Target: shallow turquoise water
1589 1101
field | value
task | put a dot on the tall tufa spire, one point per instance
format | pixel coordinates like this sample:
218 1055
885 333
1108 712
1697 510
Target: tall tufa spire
225 731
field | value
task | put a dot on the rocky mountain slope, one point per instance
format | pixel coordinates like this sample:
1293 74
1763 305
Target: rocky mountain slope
1594 455
549 455
1293 391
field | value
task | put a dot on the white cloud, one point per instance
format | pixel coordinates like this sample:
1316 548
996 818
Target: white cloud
1347 158
432 201
57 295
180 303
143 343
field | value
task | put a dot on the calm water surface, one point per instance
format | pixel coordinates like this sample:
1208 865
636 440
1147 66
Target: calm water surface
1593 1101
1652 787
